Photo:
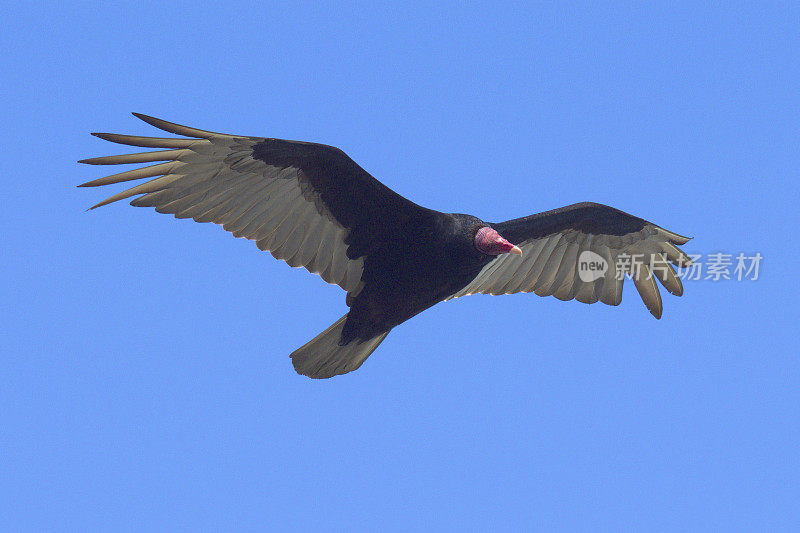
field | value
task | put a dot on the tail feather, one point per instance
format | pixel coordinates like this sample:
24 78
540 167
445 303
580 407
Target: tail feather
323 357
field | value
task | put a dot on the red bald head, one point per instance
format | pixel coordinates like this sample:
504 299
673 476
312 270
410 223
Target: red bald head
488 241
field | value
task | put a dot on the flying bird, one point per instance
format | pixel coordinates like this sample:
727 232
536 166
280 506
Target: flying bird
312 206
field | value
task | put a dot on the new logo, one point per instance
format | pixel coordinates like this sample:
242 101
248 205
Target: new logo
591 266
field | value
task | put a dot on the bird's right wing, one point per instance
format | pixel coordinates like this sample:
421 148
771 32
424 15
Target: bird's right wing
561 247
308 204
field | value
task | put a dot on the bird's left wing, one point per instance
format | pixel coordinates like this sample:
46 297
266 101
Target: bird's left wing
308 204
583 251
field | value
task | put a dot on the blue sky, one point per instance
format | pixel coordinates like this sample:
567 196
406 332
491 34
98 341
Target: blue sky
145 379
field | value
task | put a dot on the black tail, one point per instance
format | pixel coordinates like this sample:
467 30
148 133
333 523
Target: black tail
323 357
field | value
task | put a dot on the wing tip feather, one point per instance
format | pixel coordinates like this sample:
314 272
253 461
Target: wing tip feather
172 127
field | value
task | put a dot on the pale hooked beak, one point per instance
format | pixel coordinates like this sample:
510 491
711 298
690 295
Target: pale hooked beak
516 250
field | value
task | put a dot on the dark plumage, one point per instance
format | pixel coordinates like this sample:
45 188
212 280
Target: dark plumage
312 206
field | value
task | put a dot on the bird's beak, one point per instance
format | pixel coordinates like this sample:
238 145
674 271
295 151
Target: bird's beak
516 250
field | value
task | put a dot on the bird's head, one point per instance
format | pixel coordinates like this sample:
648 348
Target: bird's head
489 242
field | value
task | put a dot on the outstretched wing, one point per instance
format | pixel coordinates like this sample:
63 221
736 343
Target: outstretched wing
564 251
308 204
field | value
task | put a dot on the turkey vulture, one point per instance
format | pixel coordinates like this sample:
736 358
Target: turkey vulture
314 207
